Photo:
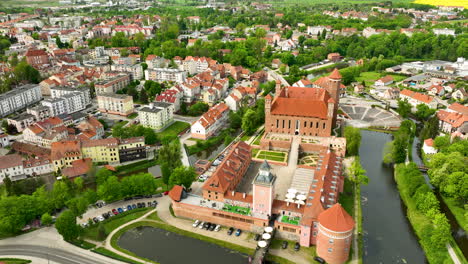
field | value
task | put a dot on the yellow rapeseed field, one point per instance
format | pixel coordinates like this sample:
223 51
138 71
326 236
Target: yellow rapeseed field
463 3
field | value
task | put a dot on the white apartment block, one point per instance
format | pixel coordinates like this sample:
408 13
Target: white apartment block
157 115
116 104
112 85
444 31
60 91
135 70
166 74
19 98
66 104
11 166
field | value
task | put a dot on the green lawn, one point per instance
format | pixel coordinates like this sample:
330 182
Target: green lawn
269 155
236 209
347 197
174 129
290 220
136 166
132 115
14 261
258 138
245 137
112 255
114 222
154 216
368 77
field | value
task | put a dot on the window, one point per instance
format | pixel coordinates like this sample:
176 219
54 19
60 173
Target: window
314 233
330 250
331 241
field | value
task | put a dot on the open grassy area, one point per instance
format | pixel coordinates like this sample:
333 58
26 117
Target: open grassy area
112 255
347 197
370 77
258 138
132 115
270 155
458 211
14 261
463 3
174 129
114 222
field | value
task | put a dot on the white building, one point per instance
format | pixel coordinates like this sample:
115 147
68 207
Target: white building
166 74
444 31
156 115
19 98
60 91
415 98
11 166
428 146
135 71
210 122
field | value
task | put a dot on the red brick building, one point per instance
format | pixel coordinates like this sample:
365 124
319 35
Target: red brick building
303 110
35 57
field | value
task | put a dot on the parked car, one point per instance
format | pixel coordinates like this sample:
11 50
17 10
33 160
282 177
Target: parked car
230 231
134 206
148 196
195 224
105 215
95 220
217 228
207 226
114 211
320 260
143 205
110 214
84 225
297 246
124 209
201 225
238 232
158 195
155 202
139 205
166 192
257 237
284 245
149 204
212 227
129 207
138 197
100 218
128 198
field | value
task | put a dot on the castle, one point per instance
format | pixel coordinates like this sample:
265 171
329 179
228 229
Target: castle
299 200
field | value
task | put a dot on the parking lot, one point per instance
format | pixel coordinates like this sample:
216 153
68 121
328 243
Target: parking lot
95 211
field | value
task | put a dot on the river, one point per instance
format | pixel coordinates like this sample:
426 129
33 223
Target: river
169 248
388 235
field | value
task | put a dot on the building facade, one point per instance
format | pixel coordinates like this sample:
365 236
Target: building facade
116 104
19 98
156 115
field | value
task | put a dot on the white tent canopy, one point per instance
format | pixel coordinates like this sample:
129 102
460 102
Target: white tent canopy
266 236
262 243
268 229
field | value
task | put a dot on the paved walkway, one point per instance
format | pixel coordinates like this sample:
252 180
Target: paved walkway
452 254
48 243
185 159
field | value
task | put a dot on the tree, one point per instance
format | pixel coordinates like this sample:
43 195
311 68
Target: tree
169 157
66 226
61 193
423 111
110 190
166 173
8 185
102 175
46 219
183 176
358 173
399 149
143 96
430 129
442 142
441 233
78 205
249 122
198 109
404 108
25 72
79 182
235 120
101 232
353 140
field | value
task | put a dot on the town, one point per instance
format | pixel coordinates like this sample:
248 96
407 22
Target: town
252 132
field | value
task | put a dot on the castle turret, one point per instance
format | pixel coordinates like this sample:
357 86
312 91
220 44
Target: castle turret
335 233
334 90
263 193
277 88
331 107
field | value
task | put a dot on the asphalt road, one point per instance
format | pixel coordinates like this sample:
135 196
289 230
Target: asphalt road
52 254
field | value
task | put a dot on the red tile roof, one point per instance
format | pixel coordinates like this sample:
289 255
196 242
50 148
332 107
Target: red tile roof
335 75
457 107
429 142
417 96
300 101
9 161
78 168
336 219
176 193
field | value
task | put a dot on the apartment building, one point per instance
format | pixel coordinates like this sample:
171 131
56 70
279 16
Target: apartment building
135 70
166 74
210 122
112 85
19 98
116 104
156 115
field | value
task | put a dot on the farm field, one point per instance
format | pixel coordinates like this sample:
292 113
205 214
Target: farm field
463 3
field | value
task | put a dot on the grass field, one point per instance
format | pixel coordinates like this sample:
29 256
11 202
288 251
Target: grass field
174 129
370 77
270 155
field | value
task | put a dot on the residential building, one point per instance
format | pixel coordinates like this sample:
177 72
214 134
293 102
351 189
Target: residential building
91 128
444 31
165 74
210 122
458 108
132 149
154 61
384 81
171 96
428 146
67 103
415 98
194 65
36 57
156 115
334 57
135 71
78 168
19 98
44 133
112 85
83 94
21 121
11 166
453 122
4 140
101 150
116 104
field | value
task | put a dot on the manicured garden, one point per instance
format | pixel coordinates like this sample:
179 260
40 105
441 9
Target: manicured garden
236 209
135 167
269 155
291 220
